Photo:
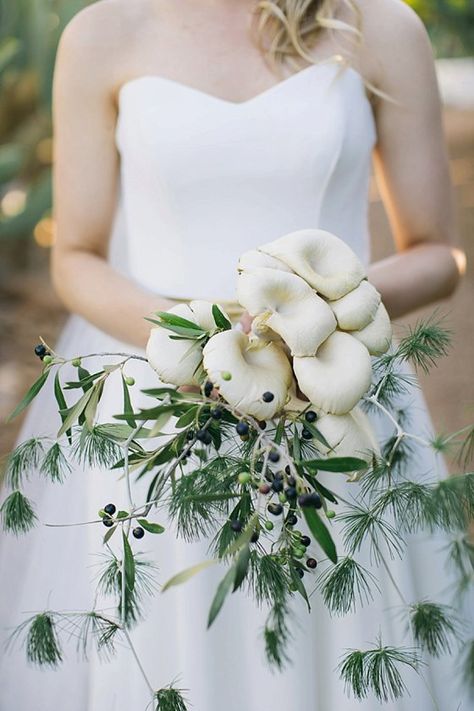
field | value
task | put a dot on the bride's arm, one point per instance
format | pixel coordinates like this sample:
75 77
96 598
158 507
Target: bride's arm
411 167
85 182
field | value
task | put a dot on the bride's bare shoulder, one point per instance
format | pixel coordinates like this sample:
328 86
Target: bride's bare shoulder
98 34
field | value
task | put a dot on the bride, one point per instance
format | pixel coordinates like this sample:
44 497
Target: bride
187 132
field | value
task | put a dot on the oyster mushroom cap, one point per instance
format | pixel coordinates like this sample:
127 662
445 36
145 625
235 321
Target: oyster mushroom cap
254 366
253 259
288 306
338 375
349 435
323 260
175 361
202 313
294 402
356 309
377 336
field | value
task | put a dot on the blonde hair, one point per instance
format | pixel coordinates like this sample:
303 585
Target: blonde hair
288 31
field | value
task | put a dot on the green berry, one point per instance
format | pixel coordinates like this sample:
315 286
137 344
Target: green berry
76 362
225 375
244 477
129 380
269 525
47 359
330 513
282 497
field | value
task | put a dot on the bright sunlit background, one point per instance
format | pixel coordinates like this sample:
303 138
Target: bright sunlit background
29 32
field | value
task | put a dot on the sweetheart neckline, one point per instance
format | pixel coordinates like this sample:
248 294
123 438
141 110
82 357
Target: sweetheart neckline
330 62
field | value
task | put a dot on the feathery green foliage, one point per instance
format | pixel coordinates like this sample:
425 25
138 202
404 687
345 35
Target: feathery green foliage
17 513
433 626
170 699
426 342
23 460
96 449
377 671
362 524
55 466
110 583
344 584
277 634
468 666
41 640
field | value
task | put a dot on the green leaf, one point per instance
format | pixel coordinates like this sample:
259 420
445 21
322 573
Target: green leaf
74 412
241 567
30 395
337 464
320 532
187 417
122 514
127 405
244 537
317 434
151 527
174 320
109 534
221 593
60 399
84 377
129 563
220 320
91 407
188 573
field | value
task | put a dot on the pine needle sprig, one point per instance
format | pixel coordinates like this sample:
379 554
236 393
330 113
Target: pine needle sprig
17 514
277 634
41 640
55 466
434 627
361 523
23 460
92 627
425 343
452 503
170 699
95 449
468 666
110 583
345 584
409 503
267 578
377 671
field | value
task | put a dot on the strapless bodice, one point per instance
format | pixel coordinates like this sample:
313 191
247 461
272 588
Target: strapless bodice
203 179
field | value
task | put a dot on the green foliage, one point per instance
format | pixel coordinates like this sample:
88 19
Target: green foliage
130 606
362 525
433 627
55 466
23 460
42 643
377 671
17 513
424 344
344 584
170 699
277 634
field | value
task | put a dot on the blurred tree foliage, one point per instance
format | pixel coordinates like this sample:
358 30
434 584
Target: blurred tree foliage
29 33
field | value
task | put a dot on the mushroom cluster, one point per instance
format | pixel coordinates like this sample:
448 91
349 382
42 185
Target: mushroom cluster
316 323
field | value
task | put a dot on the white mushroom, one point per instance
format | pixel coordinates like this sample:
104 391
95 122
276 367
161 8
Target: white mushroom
244 369
349 435
377 336
253 258
337 376
175 360
288 306
326 262
202 311
356 309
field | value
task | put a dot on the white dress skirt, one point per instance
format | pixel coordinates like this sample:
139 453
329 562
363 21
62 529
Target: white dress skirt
202 180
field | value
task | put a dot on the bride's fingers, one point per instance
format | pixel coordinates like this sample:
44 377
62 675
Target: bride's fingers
246 322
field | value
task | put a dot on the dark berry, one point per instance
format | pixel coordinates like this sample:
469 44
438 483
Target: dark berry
287 469
291 481
242 428
290 492
268 396
107 521
110 509
40 350
190 434
254 537
312 499
305 540
204 436
310 416
269 476
274 456
300 572
277 485
311 563
292 520
208 388
138 532
275 509
264 488
262 424
306 434
236 525
216 413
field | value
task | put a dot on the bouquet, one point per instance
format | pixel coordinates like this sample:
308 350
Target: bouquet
238 433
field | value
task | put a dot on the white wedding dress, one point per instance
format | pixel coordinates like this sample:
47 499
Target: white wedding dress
202 180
